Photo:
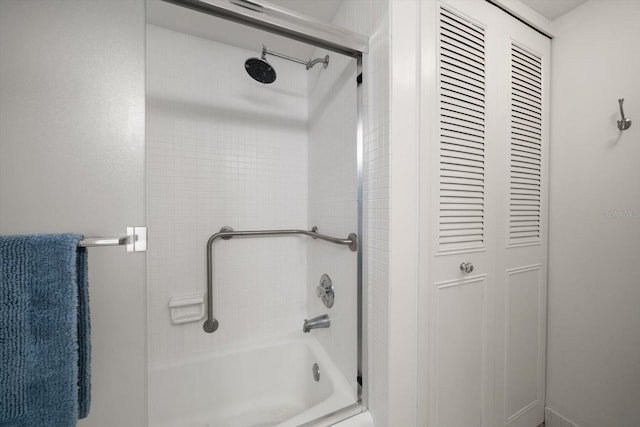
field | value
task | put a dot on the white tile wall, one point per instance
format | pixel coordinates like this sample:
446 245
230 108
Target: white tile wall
371 17
332 200
222 149
376 202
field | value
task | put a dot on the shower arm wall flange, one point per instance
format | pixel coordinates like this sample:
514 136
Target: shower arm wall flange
308 64
324 61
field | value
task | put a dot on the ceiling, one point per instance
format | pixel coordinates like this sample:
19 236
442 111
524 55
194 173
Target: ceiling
188 21
551 9
325 10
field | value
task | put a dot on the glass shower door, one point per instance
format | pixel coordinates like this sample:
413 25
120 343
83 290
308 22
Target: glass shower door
225 150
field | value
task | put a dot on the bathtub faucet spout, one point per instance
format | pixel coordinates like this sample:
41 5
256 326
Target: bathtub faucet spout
315 323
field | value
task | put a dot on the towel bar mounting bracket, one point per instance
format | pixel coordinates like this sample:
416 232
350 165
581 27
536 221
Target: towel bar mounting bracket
137 241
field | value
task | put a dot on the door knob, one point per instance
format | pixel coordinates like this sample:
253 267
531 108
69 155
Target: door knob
466 267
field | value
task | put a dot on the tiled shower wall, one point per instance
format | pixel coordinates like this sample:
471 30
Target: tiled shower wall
332 163
372 19
222 149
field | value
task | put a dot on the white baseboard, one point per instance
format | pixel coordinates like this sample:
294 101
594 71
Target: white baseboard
553 419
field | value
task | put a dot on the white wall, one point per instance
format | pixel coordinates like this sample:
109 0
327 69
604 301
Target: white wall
223 149
593 358
404 220
72 160
96 120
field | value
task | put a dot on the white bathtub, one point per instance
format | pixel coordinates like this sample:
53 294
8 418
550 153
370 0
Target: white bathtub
270 385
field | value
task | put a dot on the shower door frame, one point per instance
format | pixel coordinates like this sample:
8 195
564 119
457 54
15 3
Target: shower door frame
287 23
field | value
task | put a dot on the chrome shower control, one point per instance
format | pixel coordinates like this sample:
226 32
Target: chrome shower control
325 291
466 267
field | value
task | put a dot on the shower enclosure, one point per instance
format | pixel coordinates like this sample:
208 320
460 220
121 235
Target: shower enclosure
254 215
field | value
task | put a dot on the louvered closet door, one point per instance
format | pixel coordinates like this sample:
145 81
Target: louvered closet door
487 181
521 252
460 309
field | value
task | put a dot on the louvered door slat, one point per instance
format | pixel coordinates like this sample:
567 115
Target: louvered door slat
460 38
452 61
524 111
470 89
521 189
517 157
462 137
526 196
468 78
460 94
524 79
456 146
525 165
468 126
464 53
460 181
469 225
527 98
462 24
526 125
463 119
526 106
458 158
526 147
524 139
529 128
526 61
467 114
462 134
520 147
526 82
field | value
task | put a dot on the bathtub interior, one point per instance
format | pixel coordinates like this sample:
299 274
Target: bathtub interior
266 385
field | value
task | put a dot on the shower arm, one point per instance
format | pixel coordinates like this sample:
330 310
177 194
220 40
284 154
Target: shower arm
226 233
308 64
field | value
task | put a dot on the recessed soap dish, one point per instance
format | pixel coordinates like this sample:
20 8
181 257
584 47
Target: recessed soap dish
186 309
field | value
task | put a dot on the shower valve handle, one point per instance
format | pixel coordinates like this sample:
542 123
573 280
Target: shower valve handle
325 291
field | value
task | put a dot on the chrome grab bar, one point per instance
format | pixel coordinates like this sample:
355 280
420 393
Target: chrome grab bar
226 233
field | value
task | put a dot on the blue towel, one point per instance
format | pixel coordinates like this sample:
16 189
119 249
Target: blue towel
44 331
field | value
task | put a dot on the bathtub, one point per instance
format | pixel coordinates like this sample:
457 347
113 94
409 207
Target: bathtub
268 385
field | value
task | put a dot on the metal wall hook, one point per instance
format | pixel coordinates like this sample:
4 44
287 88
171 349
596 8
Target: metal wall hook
623 124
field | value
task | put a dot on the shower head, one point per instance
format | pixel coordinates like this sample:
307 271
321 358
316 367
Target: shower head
260 70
